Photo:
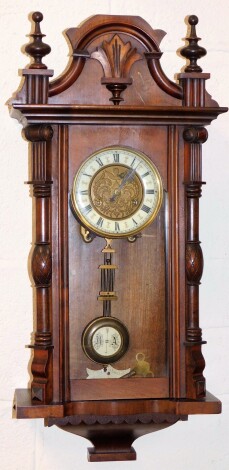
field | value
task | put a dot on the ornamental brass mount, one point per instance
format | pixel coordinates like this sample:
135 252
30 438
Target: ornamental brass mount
111 416
88 236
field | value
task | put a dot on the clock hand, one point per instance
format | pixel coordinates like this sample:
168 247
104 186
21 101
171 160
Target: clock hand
128 177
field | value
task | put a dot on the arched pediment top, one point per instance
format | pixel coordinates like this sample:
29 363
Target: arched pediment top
135 26
118 55
87 41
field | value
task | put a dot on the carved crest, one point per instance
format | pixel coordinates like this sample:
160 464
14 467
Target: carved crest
116 58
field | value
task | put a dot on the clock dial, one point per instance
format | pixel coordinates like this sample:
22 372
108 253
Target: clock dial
105 340
116 192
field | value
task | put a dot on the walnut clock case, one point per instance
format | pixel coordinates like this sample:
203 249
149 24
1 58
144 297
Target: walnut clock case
115 158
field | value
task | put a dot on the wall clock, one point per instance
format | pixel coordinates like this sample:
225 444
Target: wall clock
115 158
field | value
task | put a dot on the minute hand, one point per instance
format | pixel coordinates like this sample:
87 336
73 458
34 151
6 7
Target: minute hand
128 177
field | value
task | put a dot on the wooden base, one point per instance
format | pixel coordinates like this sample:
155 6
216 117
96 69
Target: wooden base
113 441
95 456
113 426
23 408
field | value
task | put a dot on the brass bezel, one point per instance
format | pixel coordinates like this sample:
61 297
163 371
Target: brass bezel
102 233
89 332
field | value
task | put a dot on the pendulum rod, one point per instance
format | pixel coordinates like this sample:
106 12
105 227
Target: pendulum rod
107 293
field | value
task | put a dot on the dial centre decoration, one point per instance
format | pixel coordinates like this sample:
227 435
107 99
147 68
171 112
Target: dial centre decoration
116 192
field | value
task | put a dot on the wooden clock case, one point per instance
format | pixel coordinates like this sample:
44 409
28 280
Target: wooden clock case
114 92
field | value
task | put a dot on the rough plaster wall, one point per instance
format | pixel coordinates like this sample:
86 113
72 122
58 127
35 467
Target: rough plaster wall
202 443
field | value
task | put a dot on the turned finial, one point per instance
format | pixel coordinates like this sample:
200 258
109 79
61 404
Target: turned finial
193 51
37 49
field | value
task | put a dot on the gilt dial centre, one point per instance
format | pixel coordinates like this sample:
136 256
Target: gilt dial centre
116 191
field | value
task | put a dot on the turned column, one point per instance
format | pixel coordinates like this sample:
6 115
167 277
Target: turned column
39 136
193 84
41 262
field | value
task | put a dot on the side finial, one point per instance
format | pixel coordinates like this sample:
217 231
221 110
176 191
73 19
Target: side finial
37 49
193 51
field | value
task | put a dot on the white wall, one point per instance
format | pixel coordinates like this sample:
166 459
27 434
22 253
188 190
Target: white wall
202 442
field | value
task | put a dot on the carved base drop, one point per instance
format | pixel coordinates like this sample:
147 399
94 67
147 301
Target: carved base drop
114 441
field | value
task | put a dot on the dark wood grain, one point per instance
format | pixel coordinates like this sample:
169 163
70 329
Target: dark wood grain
83 410
139 296
129 388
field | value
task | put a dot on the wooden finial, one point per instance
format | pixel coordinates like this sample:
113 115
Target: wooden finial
37 49
193 51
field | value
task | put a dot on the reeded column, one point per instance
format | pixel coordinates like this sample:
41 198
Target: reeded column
41 263
195 381
193 137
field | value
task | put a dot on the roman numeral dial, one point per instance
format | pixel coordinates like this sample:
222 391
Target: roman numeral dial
117 192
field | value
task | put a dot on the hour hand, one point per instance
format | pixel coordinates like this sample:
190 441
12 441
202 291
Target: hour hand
129 176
